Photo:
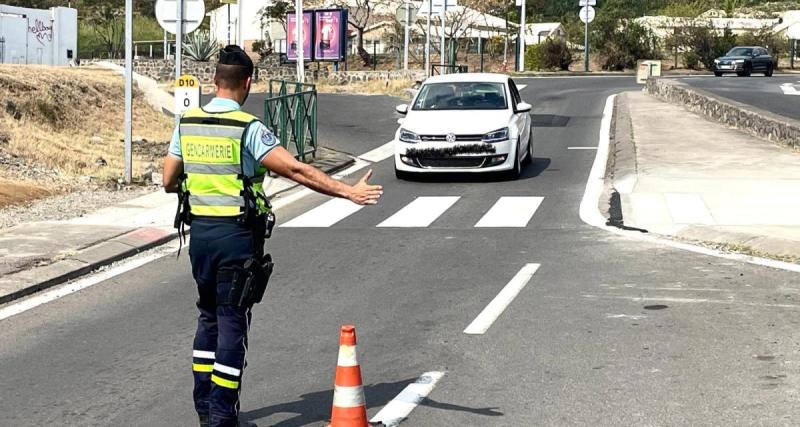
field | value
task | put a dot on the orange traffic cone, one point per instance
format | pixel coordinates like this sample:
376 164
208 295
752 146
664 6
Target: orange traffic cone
349 407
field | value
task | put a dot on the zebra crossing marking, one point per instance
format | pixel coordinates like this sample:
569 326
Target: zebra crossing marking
421 212
510 212
324 215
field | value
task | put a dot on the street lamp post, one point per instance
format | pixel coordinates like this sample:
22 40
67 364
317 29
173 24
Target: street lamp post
521 43
298 15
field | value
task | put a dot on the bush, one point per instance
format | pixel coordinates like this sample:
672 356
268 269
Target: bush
777 45
692 61
623 44
200 46
549 55
706 45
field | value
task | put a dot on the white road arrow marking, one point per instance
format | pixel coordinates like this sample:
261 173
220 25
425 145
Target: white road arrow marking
789 89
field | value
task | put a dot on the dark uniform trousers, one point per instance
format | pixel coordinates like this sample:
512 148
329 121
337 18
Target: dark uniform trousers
220 345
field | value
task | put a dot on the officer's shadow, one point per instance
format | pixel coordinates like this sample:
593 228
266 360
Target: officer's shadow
316 407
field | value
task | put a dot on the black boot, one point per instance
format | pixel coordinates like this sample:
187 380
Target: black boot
204 422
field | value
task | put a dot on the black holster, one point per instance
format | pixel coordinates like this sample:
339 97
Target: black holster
248 282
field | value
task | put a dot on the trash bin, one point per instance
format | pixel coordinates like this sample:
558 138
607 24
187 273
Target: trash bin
647 68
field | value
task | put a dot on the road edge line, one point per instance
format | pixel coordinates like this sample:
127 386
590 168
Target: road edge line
498 305
591 215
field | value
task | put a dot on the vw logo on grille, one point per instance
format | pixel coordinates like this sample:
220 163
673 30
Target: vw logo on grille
451 137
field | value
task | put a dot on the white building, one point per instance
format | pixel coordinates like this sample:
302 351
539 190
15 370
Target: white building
539 32
37 36
225 23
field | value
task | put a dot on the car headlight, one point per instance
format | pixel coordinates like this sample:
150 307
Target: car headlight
408 136
496 136
717 61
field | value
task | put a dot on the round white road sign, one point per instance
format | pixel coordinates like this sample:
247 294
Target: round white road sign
587 14
194 11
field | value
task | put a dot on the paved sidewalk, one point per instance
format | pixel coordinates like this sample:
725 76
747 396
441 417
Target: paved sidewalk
681 175
35 256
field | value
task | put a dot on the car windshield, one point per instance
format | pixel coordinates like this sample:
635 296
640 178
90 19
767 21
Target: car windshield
740 51
461 96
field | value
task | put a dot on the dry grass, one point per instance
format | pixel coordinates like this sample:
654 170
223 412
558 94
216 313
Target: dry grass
17 192
66 119
398 88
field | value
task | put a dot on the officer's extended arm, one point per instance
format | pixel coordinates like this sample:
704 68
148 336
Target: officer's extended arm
173 168
284 164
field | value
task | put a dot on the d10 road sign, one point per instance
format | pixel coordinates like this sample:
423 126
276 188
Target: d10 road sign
587 14
167 15
587 2
187 93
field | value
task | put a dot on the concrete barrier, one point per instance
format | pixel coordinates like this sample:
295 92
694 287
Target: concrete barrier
757 122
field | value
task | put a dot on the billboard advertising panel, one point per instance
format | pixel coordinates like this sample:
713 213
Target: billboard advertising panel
330 29
291 36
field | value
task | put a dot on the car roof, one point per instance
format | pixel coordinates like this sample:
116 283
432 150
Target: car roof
469 77
747 47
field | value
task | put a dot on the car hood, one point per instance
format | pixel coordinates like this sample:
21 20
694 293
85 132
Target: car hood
459 122
733 58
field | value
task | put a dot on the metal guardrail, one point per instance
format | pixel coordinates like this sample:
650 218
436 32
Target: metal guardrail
448 69
291 112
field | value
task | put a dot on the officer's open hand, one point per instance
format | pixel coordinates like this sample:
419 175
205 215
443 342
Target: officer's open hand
363 193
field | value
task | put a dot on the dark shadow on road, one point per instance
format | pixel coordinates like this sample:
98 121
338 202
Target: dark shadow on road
316 407
549 121
532 170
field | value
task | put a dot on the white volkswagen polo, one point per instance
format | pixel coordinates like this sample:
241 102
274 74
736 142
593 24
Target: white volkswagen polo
466 123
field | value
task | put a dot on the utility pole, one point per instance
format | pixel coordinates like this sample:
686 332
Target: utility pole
128 92
298 16
408 23
241 23
521 42
179 48
428 41
586 42
443 49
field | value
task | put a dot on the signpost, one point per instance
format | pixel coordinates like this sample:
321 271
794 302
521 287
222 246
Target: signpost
439 8
229 2
187 93
128 92
521 42
587 15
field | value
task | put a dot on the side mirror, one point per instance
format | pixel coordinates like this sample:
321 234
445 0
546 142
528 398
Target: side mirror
402 108
524 107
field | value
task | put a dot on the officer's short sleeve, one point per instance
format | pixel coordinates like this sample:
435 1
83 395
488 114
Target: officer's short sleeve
175 144
260 141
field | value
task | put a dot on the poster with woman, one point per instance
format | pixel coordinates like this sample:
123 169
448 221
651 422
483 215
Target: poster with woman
331 34
291 36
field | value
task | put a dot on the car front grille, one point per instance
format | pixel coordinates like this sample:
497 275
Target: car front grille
452 162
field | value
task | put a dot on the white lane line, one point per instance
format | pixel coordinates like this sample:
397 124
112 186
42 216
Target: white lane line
688 208
521 87
581 148
70 288
401 406
590 212
325 215
421 212
510 212
484 321
379 154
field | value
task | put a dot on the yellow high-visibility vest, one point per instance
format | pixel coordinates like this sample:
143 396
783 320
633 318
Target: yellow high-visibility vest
211 147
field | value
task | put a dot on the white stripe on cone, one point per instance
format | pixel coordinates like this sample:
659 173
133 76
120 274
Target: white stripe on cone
348 397
347 356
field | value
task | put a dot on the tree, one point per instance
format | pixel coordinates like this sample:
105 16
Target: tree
109 28
276 12
359 13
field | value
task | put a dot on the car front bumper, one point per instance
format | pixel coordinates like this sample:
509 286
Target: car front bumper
728 68
433 157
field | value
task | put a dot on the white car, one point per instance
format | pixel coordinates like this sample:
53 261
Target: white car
466 123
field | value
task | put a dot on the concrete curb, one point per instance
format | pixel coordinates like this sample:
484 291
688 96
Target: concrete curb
620 179
129 244
88 260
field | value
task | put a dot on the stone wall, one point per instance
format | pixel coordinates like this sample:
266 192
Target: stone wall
164 71
754 121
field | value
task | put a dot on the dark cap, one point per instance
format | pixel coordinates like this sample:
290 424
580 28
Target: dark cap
234 55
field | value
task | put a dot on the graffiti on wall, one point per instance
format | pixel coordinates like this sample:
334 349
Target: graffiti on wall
42 31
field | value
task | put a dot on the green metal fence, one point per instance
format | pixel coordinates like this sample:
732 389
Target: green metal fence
291 112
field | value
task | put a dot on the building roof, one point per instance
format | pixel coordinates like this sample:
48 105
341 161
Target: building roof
542 27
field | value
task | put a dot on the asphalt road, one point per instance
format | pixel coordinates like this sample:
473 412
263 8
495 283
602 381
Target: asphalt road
759 91
609 330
